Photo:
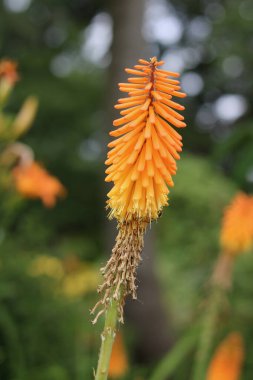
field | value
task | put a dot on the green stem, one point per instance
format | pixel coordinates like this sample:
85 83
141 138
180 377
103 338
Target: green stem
208 331
174 357
107 339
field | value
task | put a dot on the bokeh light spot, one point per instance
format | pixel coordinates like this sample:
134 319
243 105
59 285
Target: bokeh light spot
233 66
17 6
160 24
97 39
192 83
230 107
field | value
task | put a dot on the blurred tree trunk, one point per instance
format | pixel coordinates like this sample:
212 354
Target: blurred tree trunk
147 315
128 44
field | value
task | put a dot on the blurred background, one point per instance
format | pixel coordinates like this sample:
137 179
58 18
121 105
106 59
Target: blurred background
70 55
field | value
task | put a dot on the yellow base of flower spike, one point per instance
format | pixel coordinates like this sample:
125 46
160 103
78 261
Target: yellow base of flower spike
143 158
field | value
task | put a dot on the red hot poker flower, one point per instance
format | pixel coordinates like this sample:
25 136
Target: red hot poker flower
237 227
142 158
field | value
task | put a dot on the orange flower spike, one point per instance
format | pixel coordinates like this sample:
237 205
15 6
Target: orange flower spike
227 361
8 70
33 181
237 227
119 362
142 160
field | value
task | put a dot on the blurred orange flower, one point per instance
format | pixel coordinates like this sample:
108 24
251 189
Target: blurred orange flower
119 363
143 158
8 70
33 181
228 359
237 227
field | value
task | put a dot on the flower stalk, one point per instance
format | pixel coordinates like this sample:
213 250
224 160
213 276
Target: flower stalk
119 281
107 339
208 332
221 282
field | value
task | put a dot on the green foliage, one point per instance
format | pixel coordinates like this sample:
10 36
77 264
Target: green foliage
43 335
189 247
189 233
